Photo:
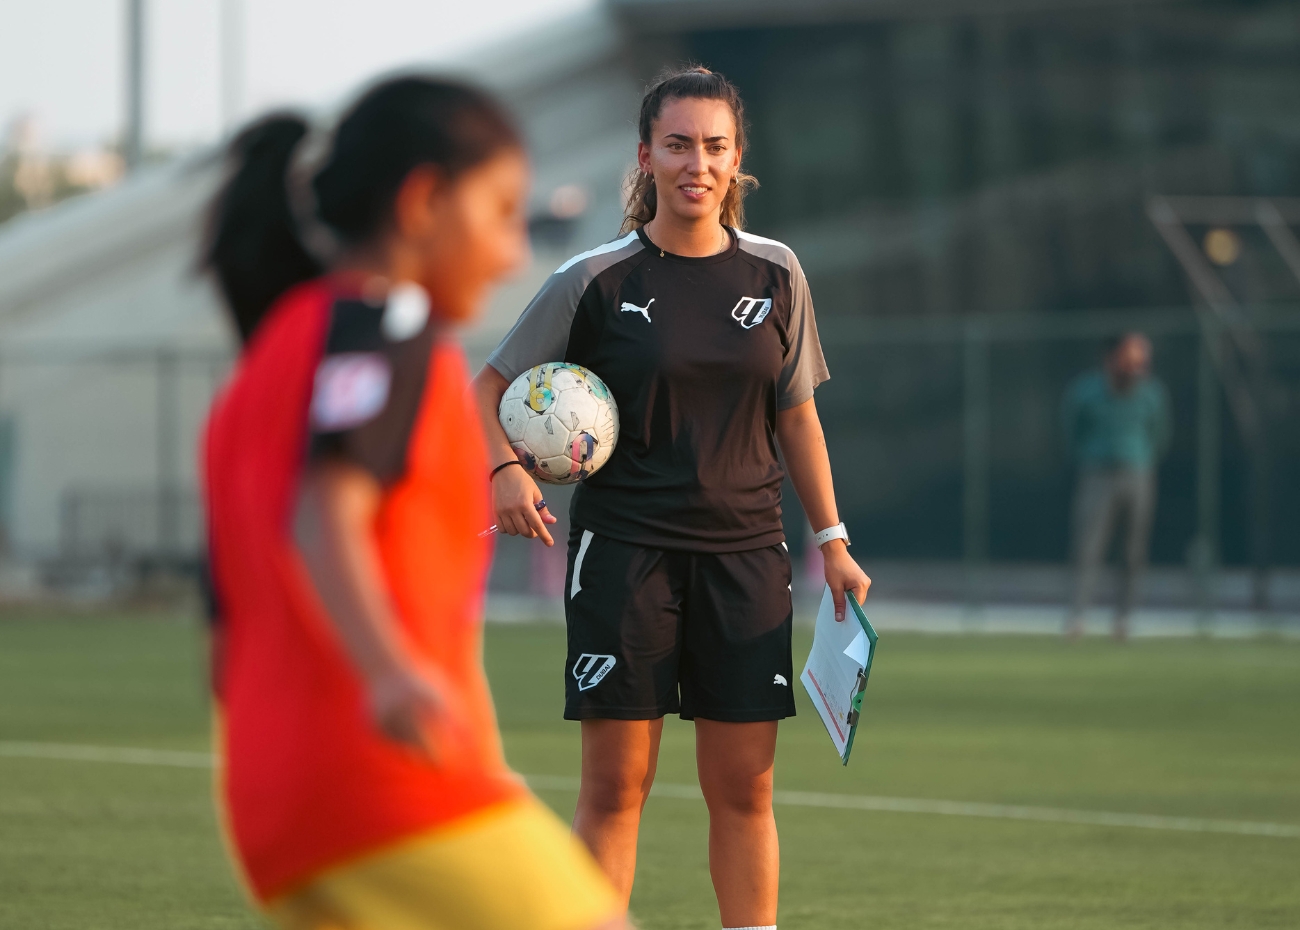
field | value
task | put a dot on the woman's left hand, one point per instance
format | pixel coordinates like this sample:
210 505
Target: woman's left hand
843 574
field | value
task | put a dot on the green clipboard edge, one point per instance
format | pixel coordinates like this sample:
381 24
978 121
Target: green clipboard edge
866 673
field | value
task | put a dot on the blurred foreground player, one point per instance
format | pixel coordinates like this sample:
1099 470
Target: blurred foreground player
1117 427
363 777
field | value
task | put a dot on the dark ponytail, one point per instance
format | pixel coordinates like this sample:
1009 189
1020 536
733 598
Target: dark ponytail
256 244
252 243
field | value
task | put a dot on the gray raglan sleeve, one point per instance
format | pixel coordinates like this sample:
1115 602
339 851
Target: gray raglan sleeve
541 334
804 367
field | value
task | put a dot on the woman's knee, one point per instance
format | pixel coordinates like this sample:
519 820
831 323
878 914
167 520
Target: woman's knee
742 797
618 762
614 790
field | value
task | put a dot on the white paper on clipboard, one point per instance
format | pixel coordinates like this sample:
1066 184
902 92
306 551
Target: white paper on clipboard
839 652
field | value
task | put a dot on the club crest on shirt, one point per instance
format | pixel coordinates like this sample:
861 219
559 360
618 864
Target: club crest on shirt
591 669
750 311
350 388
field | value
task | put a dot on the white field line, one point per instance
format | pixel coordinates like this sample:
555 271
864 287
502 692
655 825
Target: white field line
173 758
866 802
859 802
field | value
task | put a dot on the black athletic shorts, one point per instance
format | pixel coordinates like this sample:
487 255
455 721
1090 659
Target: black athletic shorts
664 631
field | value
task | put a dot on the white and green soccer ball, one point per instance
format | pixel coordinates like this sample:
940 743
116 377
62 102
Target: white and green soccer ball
561 421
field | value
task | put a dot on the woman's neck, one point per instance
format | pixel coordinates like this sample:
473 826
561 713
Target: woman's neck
381 258
694 238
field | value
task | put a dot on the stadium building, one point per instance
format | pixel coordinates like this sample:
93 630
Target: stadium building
969 187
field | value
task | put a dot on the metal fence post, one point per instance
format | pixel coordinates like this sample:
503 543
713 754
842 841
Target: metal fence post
1203 554
69 524
8 463
975 465
167 464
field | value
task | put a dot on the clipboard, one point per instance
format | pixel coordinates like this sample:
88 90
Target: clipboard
838 668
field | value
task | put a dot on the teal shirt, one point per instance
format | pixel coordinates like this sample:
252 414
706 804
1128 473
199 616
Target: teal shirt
1104 429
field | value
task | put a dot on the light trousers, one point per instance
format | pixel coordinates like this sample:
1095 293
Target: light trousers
1107 499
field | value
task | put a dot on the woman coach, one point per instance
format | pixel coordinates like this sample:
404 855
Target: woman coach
677 595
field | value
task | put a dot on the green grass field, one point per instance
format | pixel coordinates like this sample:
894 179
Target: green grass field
1180 728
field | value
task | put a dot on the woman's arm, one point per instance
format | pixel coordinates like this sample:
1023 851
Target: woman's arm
334 531
514 492
803 446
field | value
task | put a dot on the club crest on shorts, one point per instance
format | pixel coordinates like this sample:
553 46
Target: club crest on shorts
591 669
750 311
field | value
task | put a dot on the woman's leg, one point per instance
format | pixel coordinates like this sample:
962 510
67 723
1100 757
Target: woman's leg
735 763
618 767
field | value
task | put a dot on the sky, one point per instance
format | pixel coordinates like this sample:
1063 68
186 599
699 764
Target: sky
62 61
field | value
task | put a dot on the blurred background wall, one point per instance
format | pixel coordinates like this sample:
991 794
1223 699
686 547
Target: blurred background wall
968 185
949 165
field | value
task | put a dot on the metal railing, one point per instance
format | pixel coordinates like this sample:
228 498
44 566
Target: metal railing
155 524
102 464
973 343
121 483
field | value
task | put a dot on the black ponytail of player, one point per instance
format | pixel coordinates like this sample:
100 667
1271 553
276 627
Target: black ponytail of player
252 244
268 224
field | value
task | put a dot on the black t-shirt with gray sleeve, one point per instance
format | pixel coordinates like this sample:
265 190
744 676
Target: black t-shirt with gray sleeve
700 354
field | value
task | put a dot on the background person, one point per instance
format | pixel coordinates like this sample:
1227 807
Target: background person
362 776
1117 427
677 597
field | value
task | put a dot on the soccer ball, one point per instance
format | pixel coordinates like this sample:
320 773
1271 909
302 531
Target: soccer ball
561 421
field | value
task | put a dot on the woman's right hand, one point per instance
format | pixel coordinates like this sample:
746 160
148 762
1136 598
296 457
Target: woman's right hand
515 497
409 706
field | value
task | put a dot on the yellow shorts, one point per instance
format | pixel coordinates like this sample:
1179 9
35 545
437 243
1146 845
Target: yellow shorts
510 867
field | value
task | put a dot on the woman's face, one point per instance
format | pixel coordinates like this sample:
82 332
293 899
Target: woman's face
464 235
693 156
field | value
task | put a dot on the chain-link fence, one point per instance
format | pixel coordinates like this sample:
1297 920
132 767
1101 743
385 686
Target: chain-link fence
99 460
948 443
944 433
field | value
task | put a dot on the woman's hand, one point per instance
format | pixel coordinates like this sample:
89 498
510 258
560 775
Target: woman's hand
514 492
338 505
410 707
843 574
515 497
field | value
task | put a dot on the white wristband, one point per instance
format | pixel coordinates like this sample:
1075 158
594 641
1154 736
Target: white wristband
835 532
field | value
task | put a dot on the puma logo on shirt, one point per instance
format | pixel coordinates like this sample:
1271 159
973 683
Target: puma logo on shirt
644 311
